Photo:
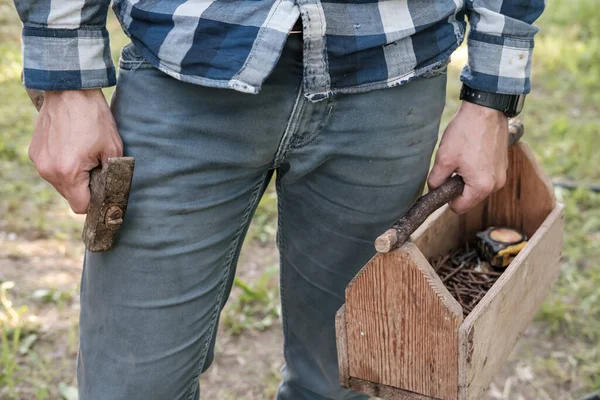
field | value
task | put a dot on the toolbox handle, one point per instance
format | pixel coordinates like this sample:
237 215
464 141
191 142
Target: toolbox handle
427 204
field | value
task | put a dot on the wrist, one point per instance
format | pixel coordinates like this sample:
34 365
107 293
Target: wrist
73 95
482 111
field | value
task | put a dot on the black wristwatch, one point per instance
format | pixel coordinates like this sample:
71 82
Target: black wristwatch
510 104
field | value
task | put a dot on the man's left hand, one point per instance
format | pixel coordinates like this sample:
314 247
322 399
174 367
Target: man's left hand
475 146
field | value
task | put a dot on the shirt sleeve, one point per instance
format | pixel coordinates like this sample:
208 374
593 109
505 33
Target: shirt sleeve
500 44
65 44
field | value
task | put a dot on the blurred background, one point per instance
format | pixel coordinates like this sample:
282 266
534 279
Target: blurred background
558 356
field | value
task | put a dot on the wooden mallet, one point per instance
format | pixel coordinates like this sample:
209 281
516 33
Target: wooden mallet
110 185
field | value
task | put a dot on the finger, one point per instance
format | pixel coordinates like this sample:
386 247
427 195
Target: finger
441 171
58 186
467 200
113 150
472 195
77 192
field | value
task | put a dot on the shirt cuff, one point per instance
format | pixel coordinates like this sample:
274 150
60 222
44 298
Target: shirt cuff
67 59
498 64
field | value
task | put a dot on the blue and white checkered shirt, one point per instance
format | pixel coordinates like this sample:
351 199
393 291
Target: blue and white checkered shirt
349 45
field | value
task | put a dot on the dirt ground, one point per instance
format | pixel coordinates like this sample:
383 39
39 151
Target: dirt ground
246 366
557 358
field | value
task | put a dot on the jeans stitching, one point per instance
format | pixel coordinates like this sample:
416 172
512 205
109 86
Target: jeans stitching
134 65
290 129
234 245
130 61
323 121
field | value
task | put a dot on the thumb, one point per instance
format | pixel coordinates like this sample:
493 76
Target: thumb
441 171
78 194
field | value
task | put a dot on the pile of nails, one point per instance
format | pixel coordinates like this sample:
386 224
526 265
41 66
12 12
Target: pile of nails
467 277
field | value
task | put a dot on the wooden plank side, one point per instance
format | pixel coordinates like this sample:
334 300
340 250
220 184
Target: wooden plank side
402 325
439 234
523 203
342 345
384 392
473 221
528 196
490 332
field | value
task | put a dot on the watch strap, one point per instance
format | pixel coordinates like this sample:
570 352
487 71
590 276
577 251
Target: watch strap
509 104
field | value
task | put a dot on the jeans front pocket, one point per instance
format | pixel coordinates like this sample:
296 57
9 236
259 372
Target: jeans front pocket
131 59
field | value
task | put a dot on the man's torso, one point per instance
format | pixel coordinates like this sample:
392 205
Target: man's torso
348 46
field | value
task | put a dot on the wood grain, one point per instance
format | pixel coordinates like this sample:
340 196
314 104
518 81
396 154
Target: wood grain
110 185
523 203
342 345
490 332
402 325
439 234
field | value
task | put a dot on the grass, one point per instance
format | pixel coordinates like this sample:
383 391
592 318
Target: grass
10 335
565 111
562 118
258 305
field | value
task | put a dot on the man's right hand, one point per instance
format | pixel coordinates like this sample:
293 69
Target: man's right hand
75 132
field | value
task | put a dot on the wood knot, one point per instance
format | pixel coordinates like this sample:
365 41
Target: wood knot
113 216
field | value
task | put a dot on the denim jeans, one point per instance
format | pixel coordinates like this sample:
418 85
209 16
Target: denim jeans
346 168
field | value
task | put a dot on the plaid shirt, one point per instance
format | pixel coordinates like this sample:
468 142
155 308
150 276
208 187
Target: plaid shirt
349 45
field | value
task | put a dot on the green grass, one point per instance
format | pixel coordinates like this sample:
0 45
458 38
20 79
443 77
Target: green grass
562 118
257 307
562 125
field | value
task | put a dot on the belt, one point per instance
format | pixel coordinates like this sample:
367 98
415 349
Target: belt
297 28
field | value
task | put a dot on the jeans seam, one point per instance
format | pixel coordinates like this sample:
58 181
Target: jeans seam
291 128
323 122
134 65
230 256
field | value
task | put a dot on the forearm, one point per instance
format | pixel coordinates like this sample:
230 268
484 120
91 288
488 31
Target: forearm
501 44
65 44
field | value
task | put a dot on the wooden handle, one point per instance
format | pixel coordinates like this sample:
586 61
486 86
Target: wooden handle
425 205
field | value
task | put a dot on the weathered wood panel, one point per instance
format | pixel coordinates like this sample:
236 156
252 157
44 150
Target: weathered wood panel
523 203
402 325
439 234
342 345
490 332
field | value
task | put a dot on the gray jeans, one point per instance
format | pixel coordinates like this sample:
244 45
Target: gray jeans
347 167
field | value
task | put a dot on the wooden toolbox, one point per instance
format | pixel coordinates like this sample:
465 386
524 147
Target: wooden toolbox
401 334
